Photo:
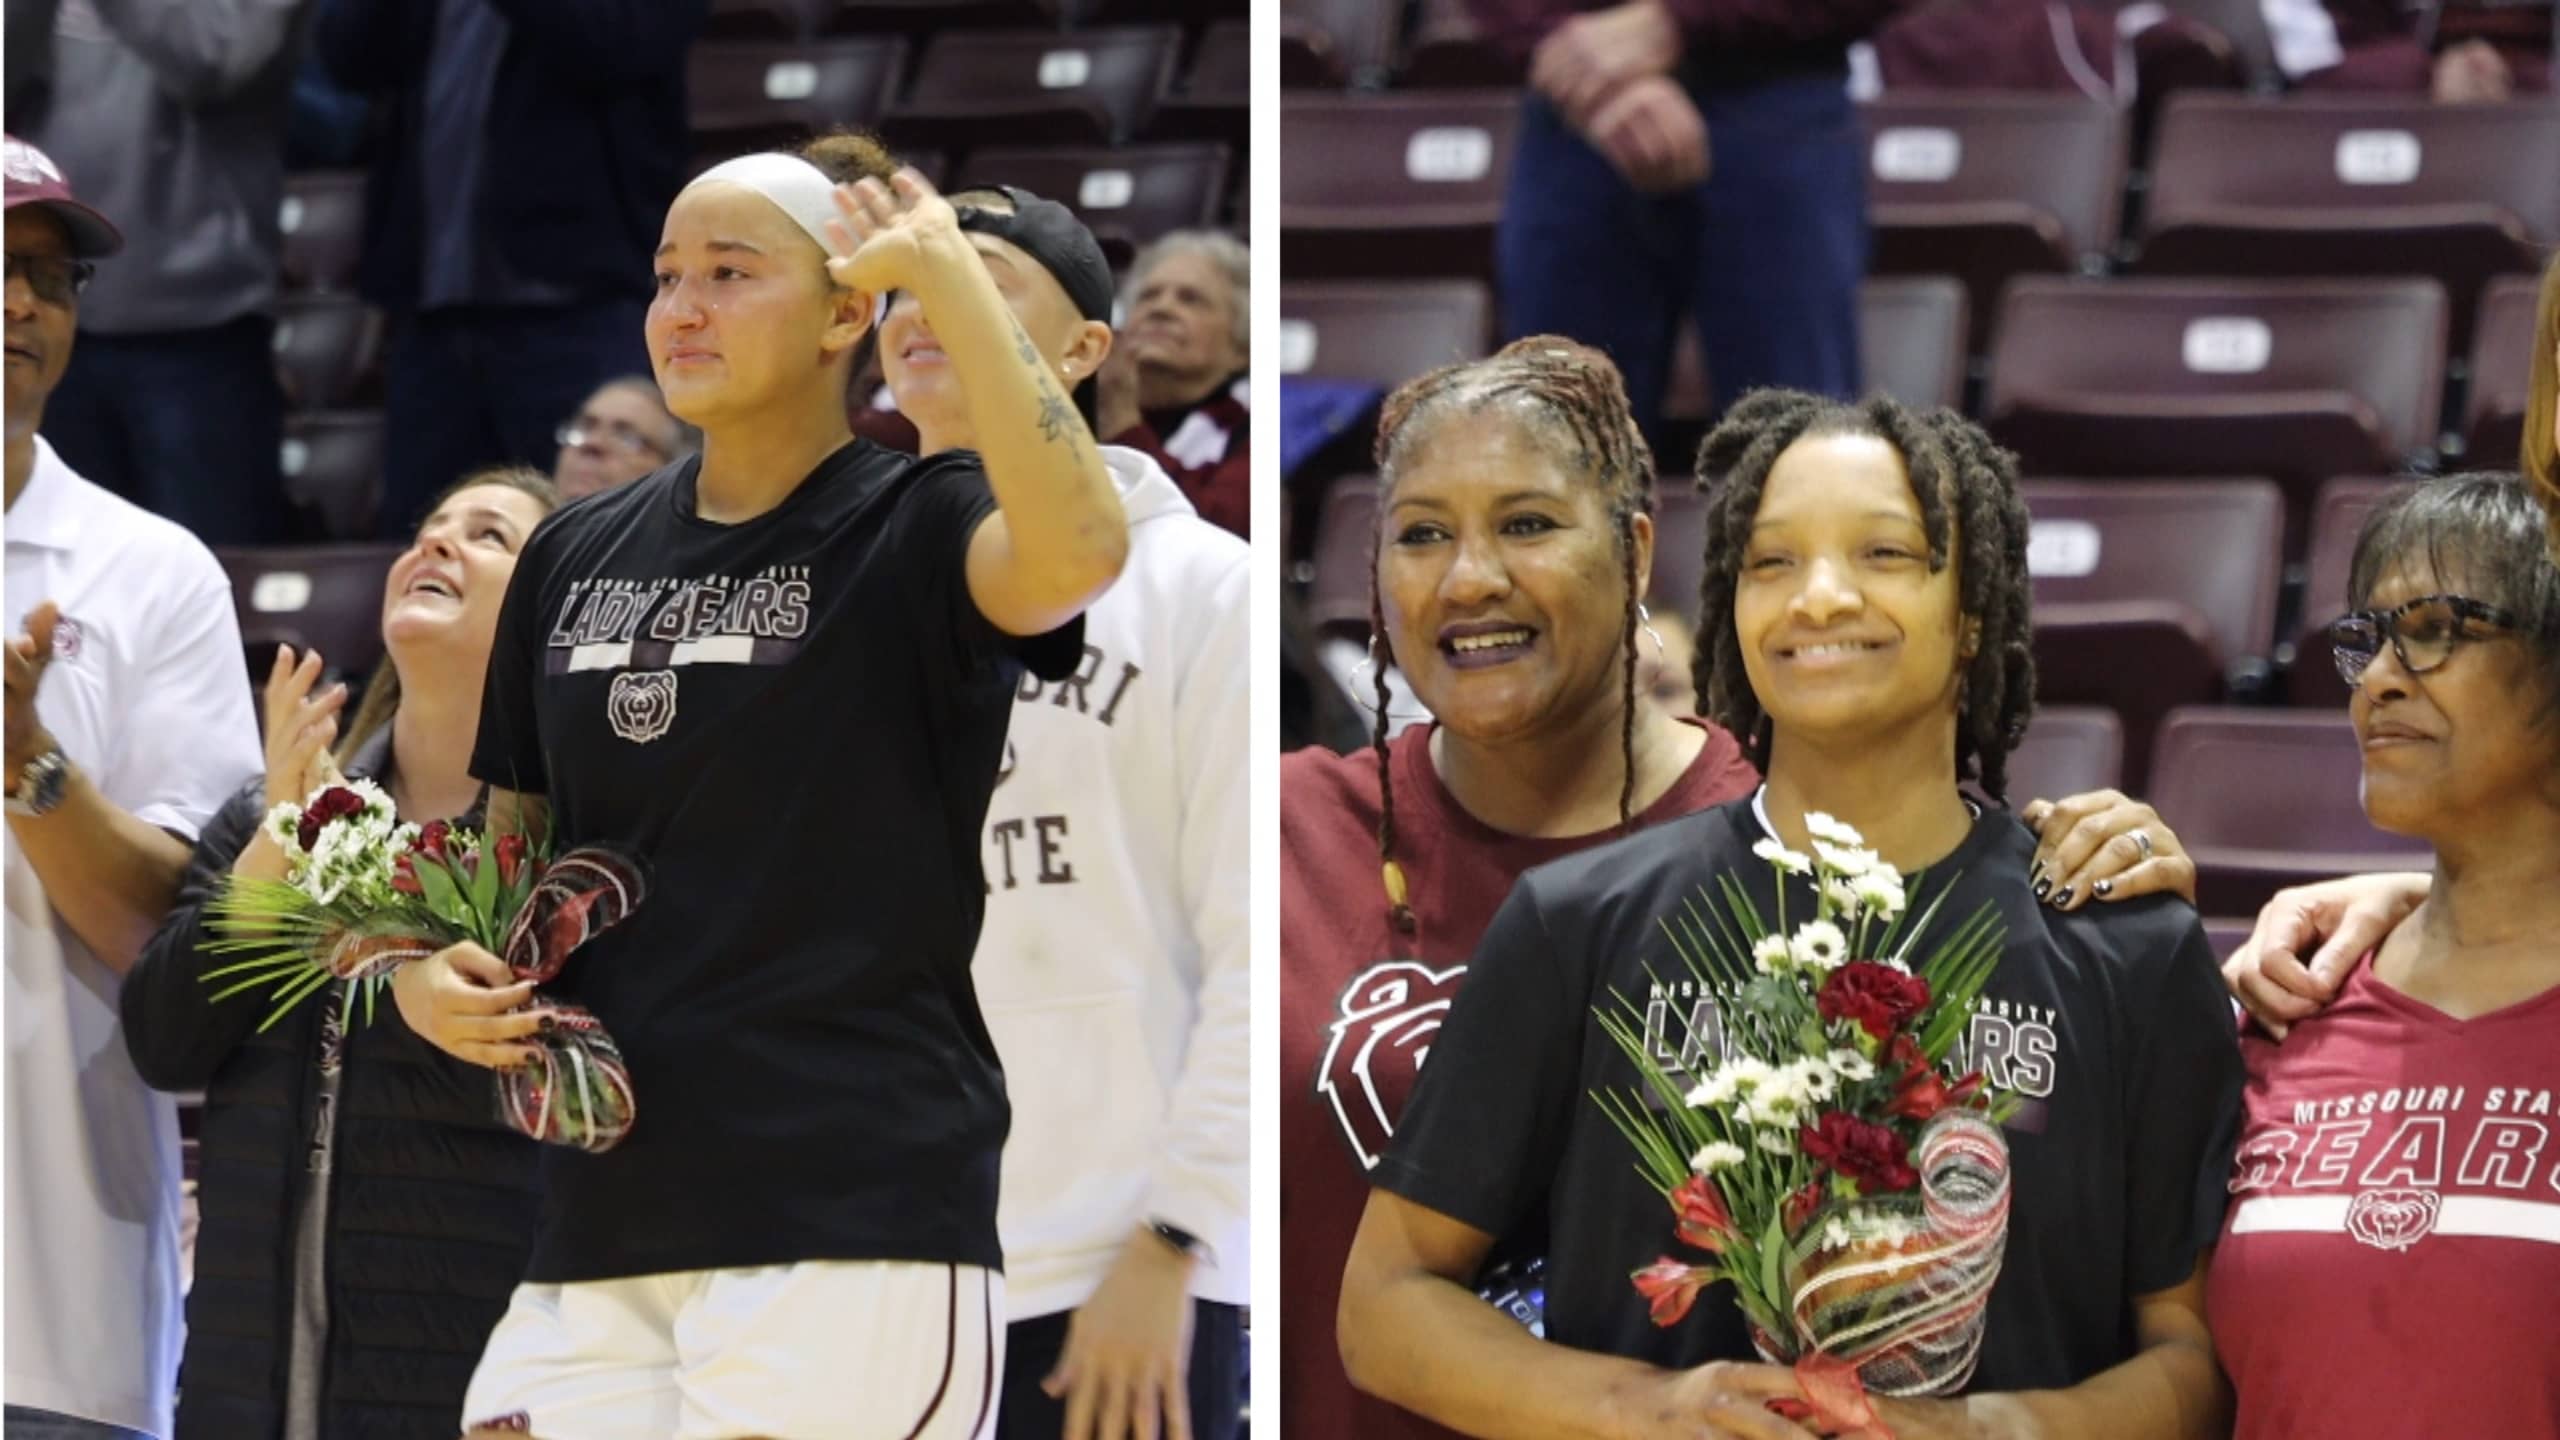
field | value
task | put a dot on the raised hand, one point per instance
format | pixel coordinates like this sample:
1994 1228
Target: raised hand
301 727
29 653
884 233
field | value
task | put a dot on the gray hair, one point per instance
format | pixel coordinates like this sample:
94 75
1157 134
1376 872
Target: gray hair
1220 249
686 437
2484 532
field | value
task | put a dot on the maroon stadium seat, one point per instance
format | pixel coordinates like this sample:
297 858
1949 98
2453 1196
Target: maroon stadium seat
2069 750
324 597
1679 542
1128 195
1384 333
328 351
1448 52
1911 338
863 17
322 218
1984 187
332 465
2298 380
1394 185
757 97
2226 934
1346 546
2268 798
2501 362
1331 44
2148 594
1088 87
2340 185
765 21
1215 99
2337 515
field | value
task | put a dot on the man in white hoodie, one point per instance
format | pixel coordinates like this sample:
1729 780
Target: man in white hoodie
1113 968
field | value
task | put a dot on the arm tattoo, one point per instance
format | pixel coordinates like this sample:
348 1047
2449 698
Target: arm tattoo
1056 420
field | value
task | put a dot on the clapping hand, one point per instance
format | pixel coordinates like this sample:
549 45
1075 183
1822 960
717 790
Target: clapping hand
29 653
301 727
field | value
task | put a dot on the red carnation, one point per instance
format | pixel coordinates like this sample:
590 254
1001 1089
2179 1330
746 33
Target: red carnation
511 853
431 839
1704 1219
1868 1153
1671 1288
335 803
1880 998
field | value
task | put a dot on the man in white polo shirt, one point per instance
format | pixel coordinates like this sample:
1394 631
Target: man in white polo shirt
128 724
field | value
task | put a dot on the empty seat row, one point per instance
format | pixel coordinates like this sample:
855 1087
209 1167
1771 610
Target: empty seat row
785 20
1087 87
1987 187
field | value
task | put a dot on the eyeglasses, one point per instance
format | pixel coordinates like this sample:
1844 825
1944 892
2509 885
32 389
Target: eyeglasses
56 279
619 434
2424 633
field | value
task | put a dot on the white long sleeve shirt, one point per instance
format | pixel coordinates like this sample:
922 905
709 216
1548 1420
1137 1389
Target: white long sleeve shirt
1114 966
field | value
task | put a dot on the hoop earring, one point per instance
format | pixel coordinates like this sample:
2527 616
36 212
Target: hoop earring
1644 620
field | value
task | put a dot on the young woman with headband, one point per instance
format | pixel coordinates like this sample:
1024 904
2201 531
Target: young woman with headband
781 671
1515 537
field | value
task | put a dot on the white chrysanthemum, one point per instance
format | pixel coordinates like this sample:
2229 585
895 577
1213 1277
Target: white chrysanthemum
1820 946
1849 1065
1878 895
1717 1155
1794 862
1772 955
1776 1106
1843 898
1812 1079
1775 1142
1731 1080
1844 860
1821 826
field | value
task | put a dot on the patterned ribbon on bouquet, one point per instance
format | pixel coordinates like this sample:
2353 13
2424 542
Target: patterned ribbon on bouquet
577 1090
1901 1314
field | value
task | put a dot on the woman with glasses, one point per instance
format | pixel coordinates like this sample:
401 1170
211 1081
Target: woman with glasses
2306 937
623 432
2395 1164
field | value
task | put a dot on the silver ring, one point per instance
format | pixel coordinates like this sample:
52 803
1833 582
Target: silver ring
2143 839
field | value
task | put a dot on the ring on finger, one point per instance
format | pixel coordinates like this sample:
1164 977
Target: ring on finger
2142 841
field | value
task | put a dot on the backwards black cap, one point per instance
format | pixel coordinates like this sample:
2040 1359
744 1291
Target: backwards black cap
1051 234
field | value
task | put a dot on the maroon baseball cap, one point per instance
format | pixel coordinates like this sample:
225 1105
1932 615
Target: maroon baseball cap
33 179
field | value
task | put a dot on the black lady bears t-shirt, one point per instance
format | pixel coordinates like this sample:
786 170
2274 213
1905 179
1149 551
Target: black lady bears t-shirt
797 722
2109 1023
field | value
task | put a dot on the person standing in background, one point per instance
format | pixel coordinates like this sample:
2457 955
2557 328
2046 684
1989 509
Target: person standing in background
172 113
532 147
1617 225
128 723
2457 52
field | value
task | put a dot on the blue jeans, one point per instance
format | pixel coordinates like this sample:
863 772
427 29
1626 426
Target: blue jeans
186 424
487 385
1767 253
23 1423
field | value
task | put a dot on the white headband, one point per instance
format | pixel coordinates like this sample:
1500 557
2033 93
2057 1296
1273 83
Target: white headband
796 188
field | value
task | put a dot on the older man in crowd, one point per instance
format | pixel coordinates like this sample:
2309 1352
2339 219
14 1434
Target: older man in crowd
1175 385
623 432
128 723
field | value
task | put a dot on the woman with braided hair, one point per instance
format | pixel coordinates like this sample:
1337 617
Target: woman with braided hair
1515 536
1865 637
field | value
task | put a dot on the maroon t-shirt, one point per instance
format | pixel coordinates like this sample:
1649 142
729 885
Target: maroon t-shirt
2393 1244
1359 1004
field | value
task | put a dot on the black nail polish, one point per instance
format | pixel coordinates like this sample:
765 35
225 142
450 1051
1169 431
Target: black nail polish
2041 887
2064 898
2103 889
548 1023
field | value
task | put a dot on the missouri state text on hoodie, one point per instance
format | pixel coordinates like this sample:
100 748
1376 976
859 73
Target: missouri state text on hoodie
1113 969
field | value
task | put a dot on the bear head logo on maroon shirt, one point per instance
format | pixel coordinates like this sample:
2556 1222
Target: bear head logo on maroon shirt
1389 1012
2393 1219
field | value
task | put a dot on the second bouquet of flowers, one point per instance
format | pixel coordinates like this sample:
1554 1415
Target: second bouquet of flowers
364 893
1835 1165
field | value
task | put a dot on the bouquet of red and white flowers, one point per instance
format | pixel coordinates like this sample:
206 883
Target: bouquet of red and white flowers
1834 1165
364 893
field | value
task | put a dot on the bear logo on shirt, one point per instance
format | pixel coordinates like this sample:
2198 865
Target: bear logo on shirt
1389 1013
2393 1219
642 704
